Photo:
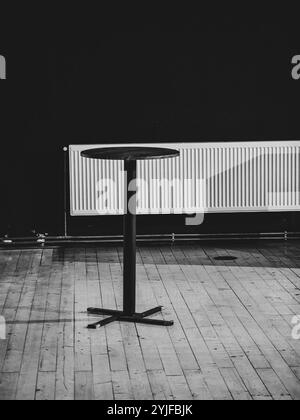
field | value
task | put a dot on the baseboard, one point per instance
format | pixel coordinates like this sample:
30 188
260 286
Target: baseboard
166 238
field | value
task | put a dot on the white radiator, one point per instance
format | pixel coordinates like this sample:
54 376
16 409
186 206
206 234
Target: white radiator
208 177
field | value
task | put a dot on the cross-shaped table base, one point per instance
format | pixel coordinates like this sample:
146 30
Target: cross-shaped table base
121 316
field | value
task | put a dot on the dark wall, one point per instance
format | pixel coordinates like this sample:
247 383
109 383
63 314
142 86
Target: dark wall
214 80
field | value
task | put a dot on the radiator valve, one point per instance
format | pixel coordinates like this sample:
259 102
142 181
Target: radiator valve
6 240
41 238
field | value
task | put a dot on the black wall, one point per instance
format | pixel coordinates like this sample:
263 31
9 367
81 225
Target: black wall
201 80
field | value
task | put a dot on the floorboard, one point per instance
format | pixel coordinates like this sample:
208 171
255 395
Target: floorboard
232 338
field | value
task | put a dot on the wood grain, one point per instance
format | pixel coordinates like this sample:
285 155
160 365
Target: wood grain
232 338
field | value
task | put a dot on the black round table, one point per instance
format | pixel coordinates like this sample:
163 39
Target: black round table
130 156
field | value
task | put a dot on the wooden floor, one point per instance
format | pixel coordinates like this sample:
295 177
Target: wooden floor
232 337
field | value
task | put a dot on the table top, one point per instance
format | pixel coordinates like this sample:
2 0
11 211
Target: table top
130 153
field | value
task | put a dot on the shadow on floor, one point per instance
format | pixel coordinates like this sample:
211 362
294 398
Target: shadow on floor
259 254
